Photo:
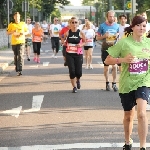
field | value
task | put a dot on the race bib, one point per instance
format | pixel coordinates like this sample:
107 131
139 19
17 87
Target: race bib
37 39
140 66
72 48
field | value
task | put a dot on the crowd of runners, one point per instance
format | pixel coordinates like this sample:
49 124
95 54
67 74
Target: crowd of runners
126 47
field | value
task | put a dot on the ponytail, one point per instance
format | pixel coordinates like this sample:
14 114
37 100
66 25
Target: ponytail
128 31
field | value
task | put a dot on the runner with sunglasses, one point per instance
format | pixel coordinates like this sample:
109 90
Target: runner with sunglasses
74 54
54 34
133 52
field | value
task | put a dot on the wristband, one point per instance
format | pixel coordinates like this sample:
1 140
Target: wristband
117 60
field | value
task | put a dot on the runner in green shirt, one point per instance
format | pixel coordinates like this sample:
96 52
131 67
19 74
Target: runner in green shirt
133 53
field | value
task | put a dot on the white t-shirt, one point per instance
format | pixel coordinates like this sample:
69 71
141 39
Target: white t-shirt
55 29
121 30
45 27
30 27
89 35
147 27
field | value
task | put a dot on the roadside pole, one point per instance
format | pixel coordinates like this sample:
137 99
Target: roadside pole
8 20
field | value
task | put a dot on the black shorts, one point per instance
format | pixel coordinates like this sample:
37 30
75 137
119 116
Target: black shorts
45 33
64 51
128 100
87 47
119 64
104 56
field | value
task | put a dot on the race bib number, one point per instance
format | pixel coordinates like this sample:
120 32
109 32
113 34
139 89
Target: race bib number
72 48
140 66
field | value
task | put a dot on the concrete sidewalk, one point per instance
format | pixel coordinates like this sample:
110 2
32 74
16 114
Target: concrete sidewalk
6 58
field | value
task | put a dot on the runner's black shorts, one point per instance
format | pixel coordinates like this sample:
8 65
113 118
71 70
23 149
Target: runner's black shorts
104 55
45 33
128 100
64 51
87 47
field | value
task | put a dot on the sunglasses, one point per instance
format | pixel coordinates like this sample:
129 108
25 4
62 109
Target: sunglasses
56 20
74 22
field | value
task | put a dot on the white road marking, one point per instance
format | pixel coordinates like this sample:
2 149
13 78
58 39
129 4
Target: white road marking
70 146
148 107
45 63
13 112
35 66
46 51
36 103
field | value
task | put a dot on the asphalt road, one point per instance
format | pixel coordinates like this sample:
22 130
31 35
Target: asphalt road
39 111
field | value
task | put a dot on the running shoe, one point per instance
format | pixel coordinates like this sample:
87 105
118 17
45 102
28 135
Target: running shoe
90 66
38 60
107 87
53 56
28 59
86 67
35 59
142 148
128 147
19 73
114 86
74 90
78 84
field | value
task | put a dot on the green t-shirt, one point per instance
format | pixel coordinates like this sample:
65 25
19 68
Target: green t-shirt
137 74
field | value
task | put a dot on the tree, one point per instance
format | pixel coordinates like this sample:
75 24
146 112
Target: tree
46 6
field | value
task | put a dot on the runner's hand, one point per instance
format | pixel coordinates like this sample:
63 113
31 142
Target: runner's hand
129 58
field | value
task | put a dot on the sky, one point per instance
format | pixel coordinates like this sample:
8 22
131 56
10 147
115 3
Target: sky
76 2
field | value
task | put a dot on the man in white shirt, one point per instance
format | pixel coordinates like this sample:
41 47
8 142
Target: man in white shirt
122 25
45 28
54 34
28 38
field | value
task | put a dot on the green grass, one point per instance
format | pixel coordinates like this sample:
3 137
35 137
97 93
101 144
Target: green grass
3 48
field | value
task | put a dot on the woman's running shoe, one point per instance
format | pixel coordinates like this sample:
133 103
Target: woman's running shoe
142 148
35 59
74 90
128 147
38 60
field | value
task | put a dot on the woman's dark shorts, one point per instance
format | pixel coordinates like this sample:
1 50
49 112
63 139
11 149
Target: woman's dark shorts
87 47
128 100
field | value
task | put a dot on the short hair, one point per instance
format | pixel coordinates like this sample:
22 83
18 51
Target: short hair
110 11
15 13
122 15
73 18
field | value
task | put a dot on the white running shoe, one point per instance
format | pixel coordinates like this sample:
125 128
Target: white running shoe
53 56
90 66
86 67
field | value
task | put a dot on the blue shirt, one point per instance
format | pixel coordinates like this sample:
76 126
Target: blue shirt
112 29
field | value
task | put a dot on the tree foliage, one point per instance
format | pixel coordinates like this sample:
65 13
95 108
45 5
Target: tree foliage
45 6
143 5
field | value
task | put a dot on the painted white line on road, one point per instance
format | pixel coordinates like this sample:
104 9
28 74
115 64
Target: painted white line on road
148 107
45 64
35 66
70 146
46 51
36 103
13 112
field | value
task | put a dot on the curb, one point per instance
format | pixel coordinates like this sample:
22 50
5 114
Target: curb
3 66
